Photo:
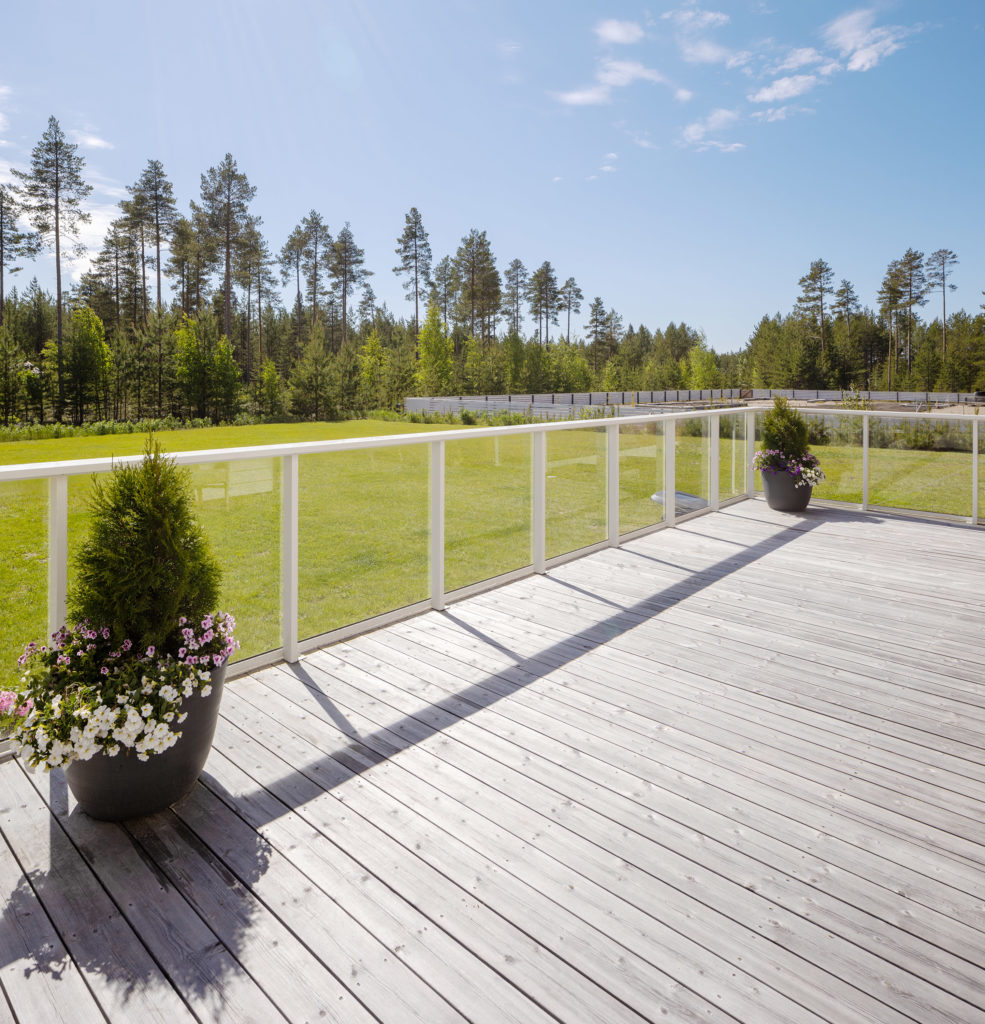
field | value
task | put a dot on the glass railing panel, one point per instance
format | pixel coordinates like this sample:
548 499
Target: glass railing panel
238 506
923 465
576 489
23 571
733 456
641 475
692 458
362 535
837 442
487 508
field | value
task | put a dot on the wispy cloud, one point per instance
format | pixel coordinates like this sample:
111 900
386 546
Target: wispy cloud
619 32
801 57
90 141
784 89
697 132
693 18
861 42
611 74
780 113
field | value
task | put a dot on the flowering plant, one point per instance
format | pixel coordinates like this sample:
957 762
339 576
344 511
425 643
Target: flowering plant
84 693
805 469
12 709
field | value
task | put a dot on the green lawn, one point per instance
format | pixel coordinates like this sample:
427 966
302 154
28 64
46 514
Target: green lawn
363 525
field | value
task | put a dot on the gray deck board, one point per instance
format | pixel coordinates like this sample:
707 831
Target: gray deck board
733 771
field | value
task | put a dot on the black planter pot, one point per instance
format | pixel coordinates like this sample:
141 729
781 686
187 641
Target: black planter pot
121 787
783 495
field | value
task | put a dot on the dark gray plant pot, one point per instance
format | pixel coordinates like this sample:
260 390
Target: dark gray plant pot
121 787
782 495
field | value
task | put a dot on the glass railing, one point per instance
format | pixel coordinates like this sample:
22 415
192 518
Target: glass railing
326 539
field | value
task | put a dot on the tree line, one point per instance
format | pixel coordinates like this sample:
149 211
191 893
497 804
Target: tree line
182 313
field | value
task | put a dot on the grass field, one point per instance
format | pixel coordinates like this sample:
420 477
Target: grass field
363 521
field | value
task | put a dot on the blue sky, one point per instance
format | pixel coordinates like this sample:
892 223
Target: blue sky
682 161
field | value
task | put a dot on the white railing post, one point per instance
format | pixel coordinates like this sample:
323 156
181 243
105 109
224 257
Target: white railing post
538 511
612 481
57 551
974 470
289 557
670 471
437 545
865 460
713 457
750 452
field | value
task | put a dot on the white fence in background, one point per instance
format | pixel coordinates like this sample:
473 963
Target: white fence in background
58 473
600 403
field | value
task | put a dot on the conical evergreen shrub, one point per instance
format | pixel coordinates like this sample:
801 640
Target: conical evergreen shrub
145 562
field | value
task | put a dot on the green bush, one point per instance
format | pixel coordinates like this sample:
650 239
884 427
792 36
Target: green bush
784 430
145 562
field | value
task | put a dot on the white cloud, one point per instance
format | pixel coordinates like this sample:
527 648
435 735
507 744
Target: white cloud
695 134
691 17
863 43
683 95
557 178
784 89
90 141
611 156
780 113
4 123
608 168
800 58
620 32
592 177
591 95
507 49
624 72
611 74
704 51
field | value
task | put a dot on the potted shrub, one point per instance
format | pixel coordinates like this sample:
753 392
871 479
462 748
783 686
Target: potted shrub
789 471
127 698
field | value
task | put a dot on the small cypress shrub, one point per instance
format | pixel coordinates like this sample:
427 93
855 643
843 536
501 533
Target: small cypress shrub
784 430
145 562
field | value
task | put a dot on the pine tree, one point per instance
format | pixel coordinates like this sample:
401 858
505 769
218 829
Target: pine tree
479 287
570 296
155 195
846 305
415 260
891 294
515 288
543 298
939 264
317 255
815 284
597 328
914 281
226 194
291 262
347 270
444 287
15 244
52 193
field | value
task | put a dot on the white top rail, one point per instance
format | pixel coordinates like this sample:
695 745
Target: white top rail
77 467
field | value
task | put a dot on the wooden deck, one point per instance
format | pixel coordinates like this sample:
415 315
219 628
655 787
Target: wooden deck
733 771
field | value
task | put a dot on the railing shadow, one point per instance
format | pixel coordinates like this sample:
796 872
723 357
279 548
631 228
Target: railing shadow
338 764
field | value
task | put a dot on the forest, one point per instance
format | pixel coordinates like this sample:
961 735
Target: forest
197 315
